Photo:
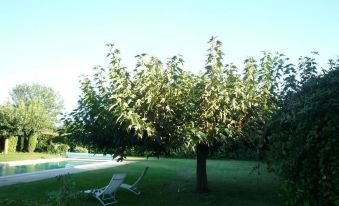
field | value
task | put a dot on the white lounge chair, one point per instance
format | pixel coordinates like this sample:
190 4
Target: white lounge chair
133 188
106 195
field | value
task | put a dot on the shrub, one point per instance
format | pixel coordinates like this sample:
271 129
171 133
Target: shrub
304 150
32 142
43 142
51 148
62 148
80 149
12 144
56 148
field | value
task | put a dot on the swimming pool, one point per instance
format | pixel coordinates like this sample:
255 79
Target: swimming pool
6 170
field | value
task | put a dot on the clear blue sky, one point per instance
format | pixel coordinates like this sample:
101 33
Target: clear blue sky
53 42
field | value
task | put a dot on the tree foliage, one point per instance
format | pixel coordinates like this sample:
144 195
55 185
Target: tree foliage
38 105
159 107
304 137
33 109
8 120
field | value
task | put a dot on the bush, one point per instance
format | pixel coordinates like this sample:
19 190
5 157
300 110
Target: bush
43 142
80 149
56 148
12 144
32 142
304 150
62 148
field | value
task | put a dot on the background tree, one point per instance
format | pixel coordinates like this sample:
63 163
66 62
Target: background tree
49 101
8 120
33 109
8 129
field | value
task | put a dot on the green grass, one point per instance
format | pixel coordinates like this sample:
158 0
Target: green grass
25 156
169 182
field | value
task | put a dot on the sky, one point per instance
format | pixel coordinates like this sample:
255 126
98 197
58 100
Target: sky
54 42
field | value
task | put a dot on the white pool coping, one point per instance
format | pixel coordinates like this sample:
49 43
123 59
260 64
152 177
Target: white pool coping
30 162
38 161
45 174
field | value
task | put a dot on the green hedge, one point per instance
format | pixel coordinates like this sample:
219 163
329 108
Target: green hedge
32 142
43 142
56 148
80 149
12 143
304 150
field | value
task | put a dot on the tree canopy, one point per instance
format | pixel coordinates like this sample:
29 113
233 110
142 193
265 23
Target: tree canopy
8 120
44 96
33 109
160 107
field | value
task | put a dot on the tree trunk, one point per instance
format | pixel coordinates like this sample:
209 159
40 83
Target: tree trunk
6 146
26 139
202 152
20 146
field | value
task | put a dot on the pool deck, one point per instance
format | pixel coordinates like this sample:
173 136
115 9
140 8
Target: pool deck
40 175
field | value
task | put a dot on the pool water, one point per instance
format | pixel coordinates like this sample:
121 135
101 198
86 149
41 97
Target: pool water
6 170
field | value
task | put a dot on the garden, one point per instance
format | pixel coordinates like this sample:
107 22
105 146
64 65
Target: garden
263 134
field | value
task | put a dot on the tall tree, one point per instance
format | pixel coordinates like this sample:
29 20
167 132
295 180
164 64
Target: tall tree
45 96
8 120
162 108
36 109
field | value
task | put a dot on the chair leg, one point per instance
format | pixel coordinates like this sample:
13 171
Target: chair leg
135 191
132 189
101 200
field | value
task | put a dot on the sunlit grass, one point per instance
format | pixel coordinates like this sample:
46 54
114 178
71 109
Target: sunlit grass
131 158
168 182
15 156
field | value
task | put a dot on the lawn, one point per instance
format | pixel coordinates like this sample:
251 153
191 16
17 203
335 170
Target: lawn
168 182
25 156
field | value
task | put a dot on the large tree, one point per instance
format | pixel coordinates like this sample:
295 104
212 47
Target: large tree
160 107
29 94
33 109
8 120
8 125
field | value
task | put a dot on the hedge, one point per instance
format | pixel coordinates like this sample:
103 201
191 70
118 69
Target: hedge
12 143
32 142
